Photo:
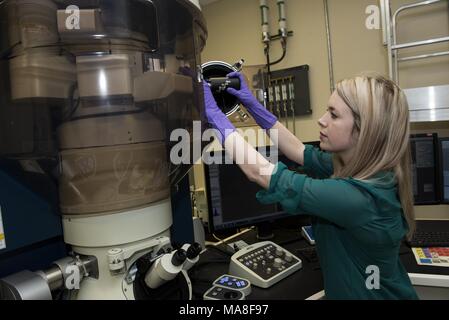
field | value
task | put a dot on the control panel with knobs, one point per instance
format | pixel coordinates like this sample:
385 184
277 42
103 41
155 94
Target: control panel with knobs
264 264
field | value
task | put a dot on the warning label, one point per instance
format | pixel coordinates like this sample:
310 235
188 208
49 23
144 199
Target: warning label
2 232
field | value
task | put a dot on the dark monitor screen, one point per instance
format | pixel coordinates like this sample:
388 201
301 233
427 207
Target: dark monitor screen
425 168
232 196
444 153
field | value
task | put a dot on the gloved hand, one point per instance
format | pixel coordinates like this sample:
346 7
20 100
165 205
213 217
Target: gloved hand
263 117
215 116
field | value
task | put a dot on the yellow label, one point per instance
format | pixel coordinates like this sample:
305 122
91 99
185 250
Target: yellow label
2 232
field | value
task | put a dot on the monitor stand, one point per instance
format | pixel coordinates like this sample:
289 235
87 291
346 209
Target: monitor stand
264 231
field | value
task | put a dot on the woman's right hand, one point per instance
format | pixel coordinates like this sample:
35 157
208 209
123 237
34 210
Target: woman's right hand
263 117
244 95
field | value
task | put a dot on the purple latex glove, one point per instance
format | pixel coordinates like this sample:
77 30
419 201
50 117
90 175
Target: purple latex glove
263 117
215 116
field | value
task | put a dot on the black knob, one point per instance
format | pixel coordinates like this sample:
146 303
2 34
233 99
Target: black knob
179 257
194 251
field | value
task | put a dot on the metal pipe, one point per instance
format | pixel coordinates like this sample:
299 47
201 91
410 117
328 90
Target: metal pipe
419 43
410 6
384 22
55 275
394 34
264 8
282 19
54 278
423 56
389 38
395 54
415 5
283 33
329 47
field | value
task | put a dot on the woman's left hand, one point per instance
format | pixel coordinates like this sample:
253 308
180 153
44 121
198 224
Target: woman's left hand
215 116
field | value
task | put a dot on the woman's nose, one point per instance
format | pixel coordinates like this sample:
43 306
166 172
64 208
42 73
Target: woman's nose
321 123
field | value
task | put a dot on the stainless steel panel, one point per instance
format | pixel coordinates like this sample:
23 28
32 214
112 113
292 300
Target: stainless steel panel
428 103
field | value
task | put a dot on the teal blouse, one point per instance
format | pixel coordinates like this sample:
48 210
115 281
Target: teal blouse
358 226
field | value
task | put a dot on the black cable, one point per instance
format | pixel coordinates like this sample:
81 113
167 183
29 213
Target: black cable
8 51
228 254
200 280
200 264
284 52
267 54
195 269
198 294
72 105
269 64
283 243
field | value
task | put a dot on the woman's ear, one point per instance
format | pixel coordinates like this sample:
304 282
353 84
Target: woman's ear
355 136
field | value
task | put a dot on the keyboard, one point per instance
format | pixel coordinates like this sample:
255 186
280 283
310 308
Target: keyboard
430 239
264 264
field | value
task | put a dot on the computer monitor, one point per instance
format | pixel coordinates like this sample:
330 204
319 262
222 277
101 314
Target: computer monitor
425 168
232 196
444 169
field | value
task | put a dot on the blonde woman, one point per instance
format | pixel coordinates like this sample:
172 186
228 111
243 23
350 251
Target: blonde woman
361 203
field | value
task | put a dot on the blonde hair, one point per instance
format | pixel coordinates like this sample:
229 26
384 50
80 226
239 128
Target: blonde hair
381 122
